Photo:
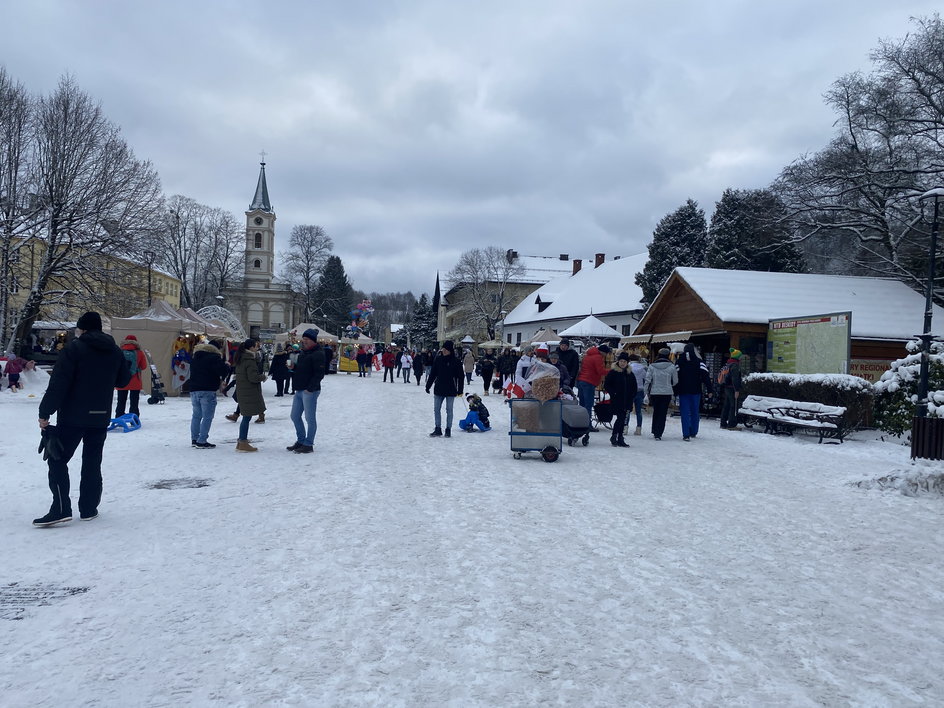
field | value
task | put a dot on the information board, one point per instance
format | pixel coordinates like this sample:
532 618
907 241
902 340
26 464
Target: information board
813 344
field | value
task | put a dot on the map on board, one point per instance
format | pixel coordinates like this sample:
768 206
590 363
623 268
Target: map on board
815 344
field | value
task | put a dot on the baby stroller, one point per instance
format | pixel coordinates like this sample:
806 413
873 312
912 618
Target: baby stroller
157 386
575 420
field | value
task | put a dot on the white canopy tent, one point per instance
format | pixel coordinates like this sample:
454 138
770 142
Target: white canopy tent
545 336
592 328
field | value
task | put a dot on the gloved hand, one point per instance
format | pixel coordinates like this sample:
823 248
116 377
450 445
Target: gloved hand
427 390
49 444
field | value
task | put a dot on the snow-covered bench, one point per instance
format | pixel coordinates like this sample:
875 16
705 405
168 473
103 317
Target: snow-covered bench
781 416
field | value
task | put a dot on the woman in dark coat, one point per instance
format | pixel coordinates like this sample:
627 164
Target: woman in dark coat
418 366
278 370
620 384
248 390
486 367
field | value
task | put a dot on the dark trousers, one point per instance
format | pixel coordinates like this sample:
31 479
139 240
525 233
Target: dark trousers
729 409
487 379
279 387
123 401
619 423
660 409
388 370
90 486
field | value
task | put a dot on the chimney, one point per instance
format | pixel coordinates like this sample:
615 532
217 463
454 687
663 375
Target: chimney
598 260
577 264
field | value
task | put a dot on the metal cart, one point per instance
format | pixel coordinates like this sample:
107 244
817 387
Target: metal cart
536 427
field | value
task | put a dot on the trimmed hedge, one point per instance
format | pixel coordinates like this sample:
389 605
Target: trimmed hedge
854 394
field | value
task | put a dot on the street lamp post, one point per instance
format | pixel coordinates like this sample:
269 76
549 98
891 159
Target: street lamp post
926 337
149 256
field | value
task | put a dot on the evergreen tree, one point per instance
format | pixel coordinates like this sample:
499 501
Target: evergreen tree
334 296
679 240
749 231
422 324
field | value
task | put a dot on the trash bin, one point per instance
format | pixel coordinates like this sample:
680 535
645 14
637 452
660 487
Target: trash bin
927 438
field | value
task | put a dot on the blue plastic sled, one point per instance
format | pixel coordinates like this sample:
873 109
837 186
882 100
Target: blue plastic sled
126 423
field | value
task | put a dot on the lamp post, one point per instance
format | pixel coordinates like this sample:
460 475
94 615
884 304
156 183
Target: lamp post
149 256
926 337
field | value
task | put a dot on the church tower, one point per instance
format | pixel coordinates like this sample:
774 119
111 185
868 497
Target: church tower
260 236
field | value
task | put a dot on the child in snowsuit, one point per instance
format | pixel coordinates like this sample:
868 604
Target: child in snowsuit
478 415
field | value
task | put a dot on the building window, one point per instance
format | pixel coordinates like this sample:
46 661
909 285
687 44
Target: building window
626 330
257 264
518 340
258 242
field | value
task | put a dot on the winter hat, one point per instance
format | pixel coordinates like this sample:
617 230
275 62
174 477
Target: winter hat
541 351
449 346
623 356
603 349
90 322
735 353
665 351
131 337
311 334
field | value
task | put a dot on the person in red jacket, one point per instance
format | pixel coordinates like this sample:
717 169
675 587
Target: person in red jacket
388 360
139 364
592 372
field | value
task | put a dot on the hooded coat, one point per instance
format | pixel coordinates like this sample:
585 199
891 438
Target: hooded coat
692 373
249 386
661 377
207 369
83 381
592 368
135 383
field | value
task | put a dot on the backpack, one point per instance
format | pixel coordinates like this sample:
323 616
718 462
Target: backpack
724 375
131 356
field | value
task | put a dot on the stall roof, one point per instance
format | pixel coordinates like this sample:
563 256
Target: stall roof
881 308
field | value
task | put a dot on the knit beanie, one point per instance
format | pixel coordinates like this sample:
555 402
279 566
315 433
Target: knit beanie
90 322
666 352
449 346
311 334
623 356
735 353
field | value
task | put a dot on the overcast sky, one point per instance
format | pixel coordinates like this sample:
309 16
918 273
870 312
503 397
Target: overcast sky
414 130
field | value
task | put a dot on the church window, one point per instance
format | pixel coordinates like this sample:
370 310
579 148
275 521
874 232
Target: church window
257 263
258 242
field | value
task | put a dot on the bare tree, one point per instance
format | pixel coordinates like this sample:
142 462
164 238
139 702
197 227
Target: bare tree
858 194
17 209
202 247
480 281
304 263
96 198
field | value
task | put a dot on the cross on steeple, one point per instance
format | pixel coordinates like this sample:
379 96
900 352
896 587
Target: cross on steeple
263 154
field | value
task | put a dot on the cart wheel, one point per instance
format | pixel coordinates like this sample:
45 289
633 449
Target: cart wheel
517 455
550 454
570 441
586 439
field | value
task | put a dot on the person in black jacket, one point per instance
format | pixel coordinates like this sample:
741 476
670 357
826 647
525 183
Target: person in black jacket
486 369
620 384
693 376
207 372
731 390
278 370
306 379
569 358
446 378
80 391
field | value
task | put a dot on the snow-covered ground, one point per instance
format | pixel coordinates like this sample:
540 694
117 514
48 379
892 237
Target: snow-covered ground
392 569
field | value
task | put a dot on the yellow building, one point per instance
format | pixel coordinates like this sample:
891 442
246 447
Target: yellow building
113 286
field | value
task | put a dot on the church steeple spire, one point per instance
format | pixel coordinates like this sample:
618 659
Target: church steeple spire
261 199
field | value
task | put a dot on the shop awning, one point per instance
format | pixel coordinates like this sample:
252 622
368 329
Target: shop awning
683 336
635 339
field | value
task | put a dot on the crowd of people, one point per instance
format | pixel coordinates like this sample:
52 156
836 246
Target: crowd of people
92 367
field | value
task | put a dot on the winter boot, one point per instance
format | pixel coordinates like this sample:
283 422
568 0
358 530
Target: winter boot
613 440
437 433
244 446
621 442
638 431
448 433
261 418
233 417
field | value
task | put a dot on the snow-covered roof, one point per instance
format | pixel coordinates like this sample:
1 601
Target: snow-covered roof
610 287
881 308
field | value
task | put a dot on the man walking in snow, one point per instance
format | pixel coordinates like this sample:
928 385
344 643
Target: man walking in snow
80 393
306 378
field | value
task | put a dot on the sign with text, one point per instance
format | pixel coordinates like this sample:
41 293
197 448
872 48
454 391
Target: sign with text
869 369
813 344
